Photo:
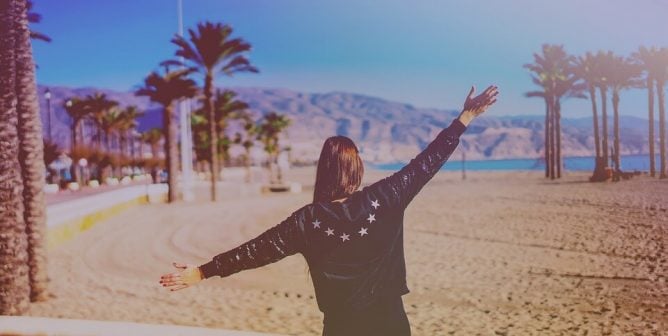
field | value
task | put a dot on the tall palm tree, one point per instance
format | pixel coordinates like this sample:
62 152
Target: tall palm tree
128 124
548 117
109 122
14 284
587 69
212 49
226 107
165 90
604 60
270 128
566 86
661 78
152 137
647 58
622 74
31 154
78 111
551 70
98 105
247 140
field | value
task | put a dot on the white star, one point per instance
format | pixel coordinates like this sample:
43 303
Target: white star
329 232
362 232
316 224
372 218
345 237
375 204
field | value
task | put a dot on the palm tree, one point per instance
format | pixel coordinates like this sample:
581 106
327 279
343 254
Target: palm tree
31 153
127 124
14 285
78 111
587 69
545 96
566 86
211 49
604 59
541 77
108 122
661 78
271 126
152 137
248 140
98 105
622 74
647 59
165 90
552 72
226 107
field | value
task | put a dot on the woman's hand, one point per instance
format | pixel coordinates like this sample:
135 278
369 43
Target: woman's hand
475 106
187 276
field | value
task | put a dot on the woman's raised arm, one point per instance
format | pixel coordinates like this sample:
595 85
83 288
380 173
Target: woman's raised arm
399 189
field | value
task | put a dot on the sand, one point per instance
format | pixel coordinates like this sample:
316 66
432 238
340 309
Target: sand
496 254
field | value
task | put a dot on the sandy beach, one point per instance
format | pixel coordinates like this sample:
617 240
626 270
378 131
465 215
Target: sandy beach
496 254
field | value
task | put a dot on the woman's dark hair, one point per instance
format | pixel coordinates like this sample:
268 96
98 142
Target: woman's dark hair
340 170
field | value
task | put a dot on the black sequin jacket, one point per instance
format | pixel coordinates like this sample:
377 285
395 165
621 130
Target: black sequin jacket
354 248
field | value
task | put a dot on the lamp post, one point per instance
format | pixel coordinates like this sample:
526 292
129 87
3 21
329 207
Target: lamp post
68 104
47 96
186 137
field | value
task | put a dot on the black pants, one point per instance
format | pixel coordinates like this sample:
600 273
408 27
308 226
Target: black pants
387 318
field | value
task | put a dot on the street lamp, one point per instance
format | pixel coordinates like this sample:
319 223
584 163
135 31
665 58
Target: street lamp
186 131
47 96
68 104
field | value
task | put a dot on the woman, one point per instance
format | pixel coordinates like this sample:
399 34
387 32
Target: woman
352 239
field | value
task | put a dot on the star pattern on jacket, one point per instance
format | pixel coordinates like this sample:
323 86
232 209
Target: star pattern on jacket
363 231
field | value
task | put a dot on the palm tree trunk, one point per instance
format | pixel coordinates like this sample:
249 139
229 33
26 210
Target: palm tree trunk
598 164
662 128
615 108
557 117
31 156
75 125
604 115
597 139
171 152
107 142
213 136
547 138
650 101
154 150
14 278
552 139
123 144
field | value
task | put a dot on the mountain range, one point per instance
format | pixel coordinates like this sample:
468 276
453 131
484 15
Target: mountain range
385 131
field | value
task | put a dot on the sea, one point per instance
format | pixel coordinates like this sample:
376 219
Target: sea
583 163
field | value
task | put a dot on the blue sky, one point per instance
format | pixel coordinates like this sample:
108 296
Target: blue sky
423 52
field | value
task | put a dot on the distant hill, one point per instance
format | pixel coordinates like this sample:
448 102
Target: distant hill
385 131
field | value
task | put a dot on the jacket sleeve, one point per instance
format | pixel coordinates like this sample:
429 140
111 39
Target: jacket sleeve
399 189
285 239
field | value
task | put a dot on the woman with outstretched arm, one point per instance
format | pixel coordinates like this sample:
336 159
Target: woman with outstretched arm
351 239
